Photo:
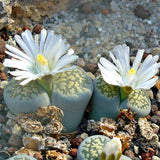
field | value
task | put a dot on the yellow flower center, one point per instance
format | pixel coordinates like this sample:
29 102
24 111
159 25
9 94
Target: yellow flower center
127 89
42 60
131 72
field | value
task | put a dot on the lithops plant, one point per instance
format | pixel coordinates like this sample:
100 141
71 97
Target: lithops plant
22 157
45 55
105 100
112 150
26 98
129 79
71 92
46 63
92 147
139 102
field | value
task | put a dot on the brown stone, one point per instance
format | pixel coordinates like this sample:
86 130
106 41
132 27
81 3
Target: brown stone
15 141
146 156
4 36
142 12
129 153
105 11
151 152
2 47
73 152
12 149
25 28
3 76
76 142
37 29
38 156
90 67
154 109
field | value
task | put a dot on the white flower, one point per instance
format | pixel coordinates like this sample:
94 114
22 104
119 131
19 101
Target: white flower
122 74
112 149
45 54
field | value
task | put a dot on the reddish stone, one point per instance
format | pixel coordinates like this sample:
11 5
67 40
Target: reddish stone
2 57
105 11
4 37
148 117
26 27
145 55
90 67
146 156
151 152
76 142
154 109
12 149
129 153
38 156
37 29
3 76
73 152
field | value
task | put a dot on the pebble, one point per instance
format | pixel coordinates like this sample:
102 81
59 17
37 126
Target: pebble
155 158
136 150
12 150
155 119
73 152
38 156
129 153
26 27
76 142
2 119
81 62
154 109
158 96
150 93
151 151
10 123
92 31
105 11
84 135
142 12
155 128
3 84
146 156
90 67
4 155
15 141
3 76
17 130
37 29
114 6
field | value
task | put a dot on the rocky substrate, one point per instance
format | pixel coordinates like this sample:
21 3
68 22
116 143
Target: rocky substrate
93 29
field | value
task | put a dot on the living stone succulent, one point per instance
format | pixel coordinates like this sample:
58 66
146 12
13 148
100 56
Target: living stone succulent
22 157
92 147
123 83
71 92
105 100
44 76
26 98
139 102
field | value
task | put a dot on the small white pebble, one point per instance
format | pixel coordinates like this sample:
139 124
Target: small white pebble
84 135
